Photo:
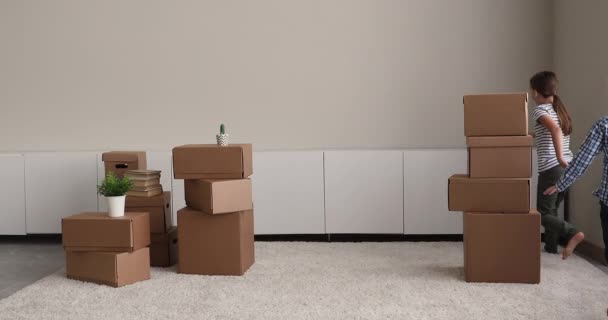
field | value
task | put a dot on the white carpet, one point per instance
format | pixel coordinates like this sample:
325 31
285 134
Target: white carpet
328 281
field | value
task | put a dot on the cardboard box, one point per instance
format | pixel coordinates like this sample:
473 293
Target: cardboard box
502 247
163 250
210 161
99 232
114 269
215 244
158 207
500 157
496 114
121 161
219 196
510 195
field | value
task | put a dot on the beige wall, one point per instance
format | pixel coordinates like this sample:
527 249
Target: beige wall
283 74
581 59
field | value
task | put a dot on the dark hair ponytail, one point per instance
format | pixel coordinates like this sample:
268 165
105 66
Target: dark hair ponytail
545 83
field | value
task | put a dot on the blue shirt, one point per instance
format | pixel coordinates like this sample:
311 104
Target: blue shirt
596 142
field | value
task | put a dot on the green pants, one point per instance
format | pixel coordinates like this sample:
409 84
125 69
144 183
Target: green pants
555 228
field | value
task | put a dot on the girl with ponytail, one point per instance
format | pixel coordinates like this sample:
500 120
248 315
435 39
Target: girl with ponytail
553 126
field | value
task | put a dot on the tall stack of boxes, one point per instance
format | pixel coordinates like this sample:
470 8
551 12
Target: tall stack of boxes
215 229
501 231
105 250
163 248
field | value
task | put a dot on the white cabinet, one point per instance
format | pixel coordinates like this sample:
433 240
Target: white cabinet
426 175
288 192
12 194
364 192
58 184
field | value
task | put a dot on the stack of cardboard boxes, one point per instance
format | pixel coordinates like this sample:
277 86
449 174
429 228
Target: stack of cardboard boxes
216 228
163 249
501 231
105 250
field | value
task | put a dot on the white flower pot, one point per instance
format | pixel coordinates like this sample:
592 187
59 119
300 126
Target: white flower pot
116 206
222 139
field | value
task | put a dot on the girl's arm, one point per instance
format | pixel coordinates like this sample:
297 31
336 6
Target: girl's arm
558 137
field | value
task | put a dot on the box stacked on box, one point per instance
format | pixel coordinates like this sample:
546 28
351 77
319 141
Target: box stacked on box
147 196
215 230
105 250
501 231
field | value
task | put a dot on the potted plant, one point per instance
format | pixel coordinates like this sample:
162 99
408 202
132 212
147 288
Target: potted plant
222 138
114 189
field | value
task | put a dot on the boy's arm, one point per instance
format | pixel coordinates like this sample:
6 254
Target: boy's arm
589 150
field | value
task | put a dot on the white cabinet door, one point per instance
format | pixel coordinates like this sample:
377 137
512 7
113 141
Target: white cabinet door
288 192
178 194
12 194
426 175
364 191
58 185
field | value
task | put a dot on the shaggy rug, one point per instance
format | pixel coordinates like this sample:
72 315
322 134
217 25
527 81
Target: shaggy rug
327 281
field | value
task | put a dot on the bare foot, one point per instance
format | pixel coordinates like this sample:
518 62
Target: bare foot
572 245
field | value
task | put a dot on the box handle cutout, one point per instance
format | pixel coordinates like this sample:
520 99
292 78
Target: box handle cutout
122 166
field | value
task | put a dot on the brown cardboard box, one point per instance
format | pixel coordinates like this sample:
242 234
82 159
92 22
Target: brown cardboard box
510 195
502 247
496 114
163 250
157 206
500 157
99 232
219 196
215 244
121 161
110 268
210 161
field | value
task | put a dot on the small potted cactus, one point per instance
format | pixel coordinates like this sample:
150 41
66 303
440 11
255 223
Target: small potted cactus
222 138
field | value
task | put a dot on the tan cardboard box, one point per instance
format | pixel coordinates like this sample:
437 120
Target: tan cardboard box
121 161
510 195
163 250
114 269
215 244
496 114
99 232
502 247
219 196
210 161
158 208
500 157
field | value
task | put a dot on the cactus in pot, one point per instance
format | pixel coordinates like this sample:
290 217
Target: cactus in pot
222 138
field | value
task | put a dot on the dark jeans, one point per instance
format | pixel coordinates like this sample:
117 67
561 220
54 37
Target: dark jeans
604 217
555 228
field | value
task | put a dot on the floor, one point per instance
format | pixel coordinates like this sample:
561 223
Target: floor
401 280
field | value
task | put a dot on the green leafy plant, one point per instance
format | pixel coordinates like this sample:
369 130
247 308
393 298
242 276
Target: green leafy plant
222 129
114 186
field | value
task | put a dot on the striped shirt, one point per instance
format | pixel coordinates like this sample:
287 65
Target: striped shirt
596 142
545 149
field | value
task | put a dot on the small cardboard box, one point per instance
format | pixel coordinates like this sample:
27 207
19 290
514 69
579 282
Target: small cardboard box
121 161
219 196
496 115
163 250
210 161
500 157
510 195
114 269
158 208
502 247
215 244
99 232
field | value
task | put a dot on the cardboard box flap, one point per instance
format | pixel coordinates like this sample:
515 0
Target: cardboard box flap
126 156
212 159
161 200
518 97
463 178
532 211
494 142
92 230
